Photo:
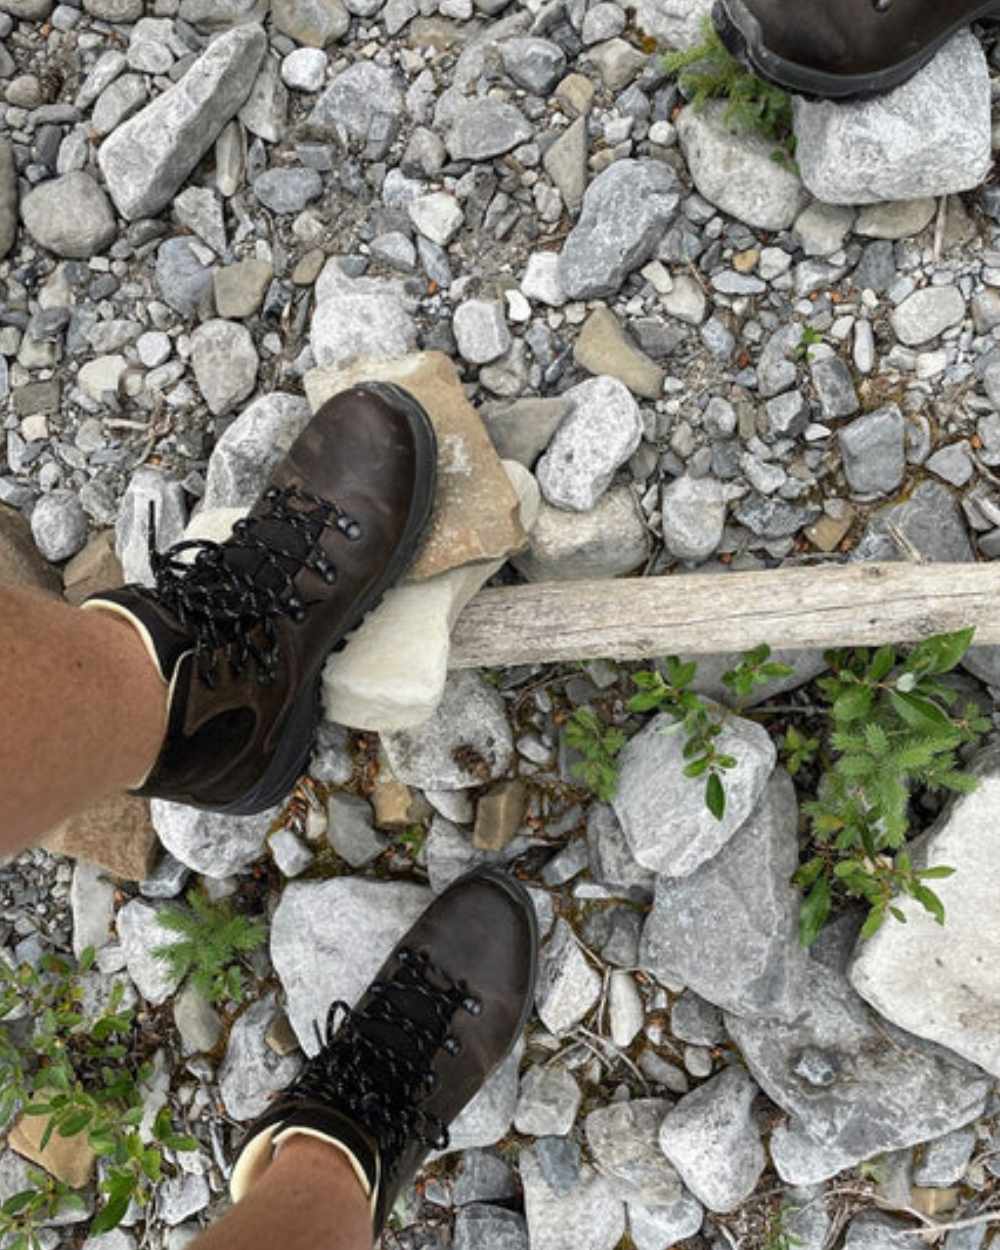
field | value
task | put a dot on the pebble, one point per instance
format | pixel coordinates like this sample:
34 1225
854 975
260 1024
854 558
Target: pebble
304 70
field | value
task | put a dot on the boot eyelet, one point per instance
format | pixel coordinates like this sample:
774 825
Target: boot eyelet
472 1005
452 1045
881 6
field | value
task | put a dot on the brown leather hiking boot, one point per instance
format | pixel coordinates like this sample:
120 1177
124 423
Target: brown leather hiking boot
838 49
444 1011
241 633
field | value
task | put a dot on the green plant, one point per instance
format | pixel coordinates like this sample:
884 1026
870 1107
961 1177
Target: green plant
811 338
778 1235
700 721
709 72
890 731
86 1076
212 940
599 745
413 839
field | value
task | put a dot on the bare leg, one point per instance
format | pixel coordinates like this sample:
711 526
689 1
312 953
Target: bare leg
308 1199
83 712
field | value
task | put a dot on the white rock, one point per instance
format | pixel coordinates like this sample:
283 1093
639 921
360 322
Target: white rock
304 69
437 216
357 324
101 376
625 1007
392 675
541 279
568 987
92 901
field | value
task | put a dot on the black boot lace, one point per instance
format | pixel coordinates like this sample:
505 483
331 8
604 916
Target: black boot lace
375 1065
231 594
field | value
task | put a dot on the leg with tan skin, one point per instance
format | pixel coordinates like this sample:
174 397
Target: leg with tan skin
84 711
308 1199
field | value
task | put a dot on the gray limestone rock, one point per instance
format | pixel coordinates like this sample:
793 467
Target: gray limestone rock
140 934
665 819
288 190
92 901
854 1085
877 1230
225 364
625 211
534 64
835 388
737 172
942 983
484 128
653 1228
694 514
623 1139
480 1224
179 1197
675 23
481 330
521 431
487 1118
315 23
265 110
148 486
8 197
200 209
873 451
568 987
361 323
729 930
608 540
929 137
211 843
483 1176
566 163
252 1073
146 160
59 525
713 1142
694 1019
70 216
471 715
250 447
548 1101
926 313
351 830
118 102
929 522
611 861
197 1021
603 429
329 938
583 1213
183 278
362 108
945 1159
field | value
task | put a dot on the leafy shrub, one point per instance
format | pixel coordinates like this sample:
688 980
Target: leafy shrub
85 1076
212 940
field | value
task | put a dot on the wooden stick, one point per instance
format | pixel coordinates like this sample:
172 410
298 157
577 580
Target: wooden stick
799 608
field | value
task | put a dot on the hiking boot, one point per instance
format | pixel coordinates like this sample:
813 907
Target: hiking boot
444 1011
240 634
838 49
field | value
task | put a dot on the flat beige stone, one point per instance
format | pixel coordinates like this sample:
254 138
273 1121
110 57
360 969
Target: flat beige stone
68 1159
603 348
21 563
115 834
93 569
476 511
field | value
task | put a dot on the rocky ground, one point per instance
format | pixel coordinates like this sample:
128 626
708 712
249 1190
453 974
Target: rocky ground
687 355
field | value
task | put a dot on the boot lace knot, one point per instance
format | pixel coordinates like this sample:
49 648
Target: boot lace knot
231 594
376 1064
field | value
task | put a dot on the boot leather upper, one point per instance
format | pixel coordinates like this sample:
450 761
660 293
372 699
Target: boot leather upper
851 36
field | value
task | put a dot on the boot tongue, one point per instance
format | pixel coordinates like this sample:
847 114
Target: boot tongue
269 569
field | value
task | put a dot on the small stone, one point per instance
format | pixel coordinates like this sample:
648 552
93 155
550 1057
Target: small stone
565 163
251 1072
183 278
835 388
927 313
685 300
362 106
653 1228
118 102
351 830
534 64
211 843
481 331
568 987
694 514
485 128
249 449
437 216
240 288
822 228
548 1102
316 23
196 1021
70 216
625 1009
710 1137
291 856
59 525
101 377
581 1212
895 219
601 432
952 464
625 211
140 933
351 325
541 280
498 815
608 540
623 1142
603 348
154 348
486 1225
304 70
945 1159
199 209
288 190
92 900
225 364
873 452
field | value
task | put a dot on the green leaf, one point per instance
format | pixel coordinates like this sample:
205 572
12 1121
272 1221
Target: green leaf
814 912
877 739
882 663
644 702
876 918
808 872
75 1123
17 1202
715 796
918 713
696 767
180 1143
930 901
937 873
941 653
87 958
110 1215
854 704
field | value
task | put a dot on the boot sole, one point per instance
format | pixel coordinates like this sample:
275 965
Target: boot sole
298 733
741 33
